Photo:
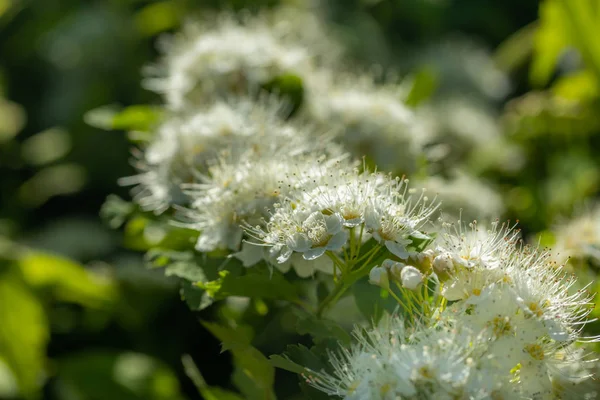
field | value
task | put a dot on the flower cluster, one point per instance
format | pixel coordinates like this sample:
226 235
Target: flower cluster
393 361
483 316
524 309
229 54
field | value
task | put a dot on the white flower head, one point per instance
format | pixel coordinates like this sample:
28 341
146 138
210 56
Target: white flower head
238 192
229 54
394 215
411 277
471 247
372 119
292 229
473 197
391 362
186 145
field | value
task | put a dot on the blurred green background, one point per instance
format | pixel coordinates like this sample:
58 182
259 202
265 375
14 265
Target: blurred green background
80 315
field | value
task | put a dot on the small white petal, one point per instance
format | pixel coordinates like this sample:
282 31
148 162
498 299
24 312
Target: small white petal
338 240
311 254
411 277
397 249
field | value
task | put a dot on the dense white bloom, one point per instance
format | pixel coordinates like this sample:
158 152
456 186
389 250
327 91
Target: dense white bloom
372 119
241 191
184 146
470 247
395 215
473 197
578 238
320 219
392 362
229 54
524 304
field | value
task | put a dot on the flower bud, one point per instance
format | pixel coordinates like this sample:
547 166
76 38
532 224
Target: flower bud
442 264
423 260
411 277
388 264
396 271
379 277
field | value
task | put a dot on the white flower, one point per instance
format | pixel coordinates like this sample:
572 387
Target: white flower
391 362
473 197
411 277
372 119
229 54
322 215
578 238
472 247
185 146
378 276
543 291
241 192
394 216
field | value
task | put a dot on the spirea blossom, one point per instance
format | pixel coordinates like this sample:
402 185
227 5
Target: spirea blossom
526 305
461 191
324 217
396 362
186 144
233 53
578 238
238 192
372 119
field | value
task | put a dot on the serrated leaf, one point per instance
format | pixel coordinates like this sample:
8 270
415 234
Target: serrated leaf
254 375
285 363
258 282
195 298
303 356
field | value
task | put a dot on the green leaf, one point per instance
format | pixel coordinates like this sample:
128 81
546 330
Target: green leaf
321 329
424 83
289 87
549 42
207 392
157 17
196 298
372 301
257 282
581 86
285 363
115 211
515 51
304 356
100 375
254 375
132 118
143 233
67 280
23 333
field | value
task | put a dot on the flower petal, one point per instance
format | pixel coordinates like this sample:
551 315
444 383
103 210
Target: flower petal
397 249
316 252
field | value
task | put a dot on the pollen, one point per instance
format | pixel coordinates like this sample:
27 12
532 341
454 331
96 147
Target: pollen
535 351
